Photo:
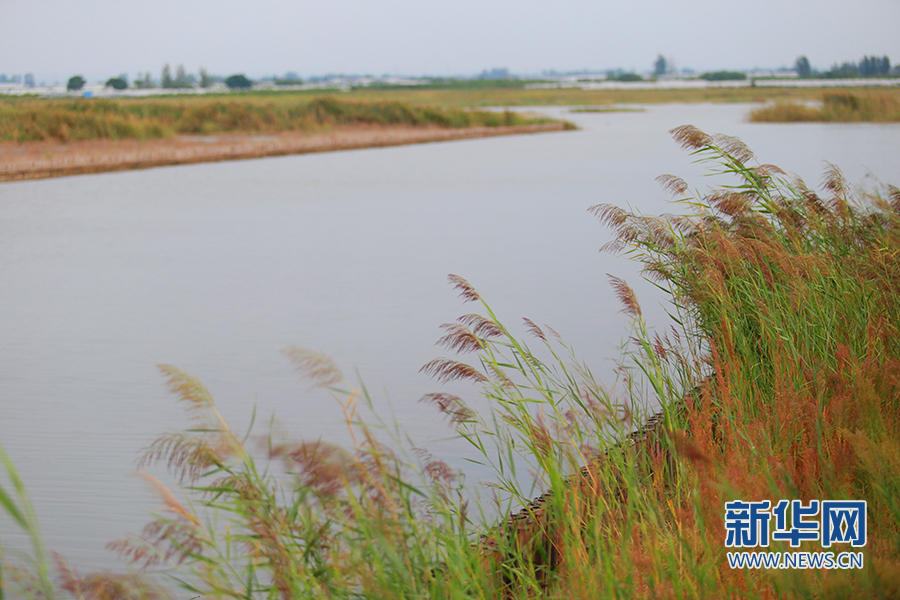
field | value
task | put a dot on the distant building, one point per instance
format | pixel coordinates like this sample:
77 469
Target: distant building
29 79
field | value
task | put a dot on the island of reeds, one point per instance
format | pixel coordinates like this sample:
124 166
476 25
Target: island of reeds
64 120
779 379
843 106
42 137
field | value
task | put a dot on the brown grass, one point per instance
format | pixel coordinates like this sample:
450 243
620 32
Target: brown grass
842 106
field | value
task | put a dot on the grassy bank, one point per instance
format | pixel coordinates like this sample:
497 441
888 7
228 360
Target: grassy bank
779 380
836 107
596 97
34 119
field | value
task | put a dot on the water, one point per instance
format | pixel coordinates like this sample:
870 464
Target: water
216 268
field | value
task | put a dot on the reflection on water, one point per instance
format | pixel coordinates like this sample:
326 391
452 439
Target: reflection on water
215 268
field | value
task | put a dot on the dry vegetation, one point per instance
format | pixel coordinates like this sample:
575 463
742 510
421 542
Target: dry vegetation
836 107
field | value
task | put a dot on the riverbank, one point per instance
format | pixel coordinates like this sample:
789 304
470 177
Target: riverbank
41 160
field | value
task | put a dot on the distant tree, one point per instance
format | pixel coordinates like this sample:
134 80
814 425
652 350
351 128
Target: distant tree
144 81
239 82
205 79
117 83
660 67
724 76
873 66
866 67
628 77
181 78
165 79
843 71
75 83
802 67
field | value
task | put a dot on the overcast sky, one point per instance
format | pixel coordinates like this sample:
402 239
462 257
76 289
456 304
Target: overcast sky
55 39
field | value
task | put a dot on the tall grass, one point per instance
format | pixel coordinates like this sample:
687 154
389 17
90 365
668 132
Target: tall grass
25 120
780 379
792 300
835 107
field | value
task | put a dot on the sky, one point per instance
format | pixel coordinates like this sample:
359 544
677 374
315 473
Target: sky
55 39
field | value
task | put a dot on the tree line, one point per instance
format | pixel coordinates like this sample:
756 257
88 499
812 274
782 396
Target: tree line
868 66
181 79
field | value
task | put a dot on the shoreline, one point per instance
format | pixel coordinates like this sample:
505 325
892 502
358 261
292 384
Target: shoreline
44 160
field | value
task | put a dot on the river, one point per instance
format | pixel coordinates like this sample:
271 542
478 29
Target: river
216 268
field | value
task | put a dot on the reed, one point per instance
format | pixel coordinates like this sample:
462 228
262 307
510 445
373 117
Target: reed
836 107
791 298
32 119
17 505
779 379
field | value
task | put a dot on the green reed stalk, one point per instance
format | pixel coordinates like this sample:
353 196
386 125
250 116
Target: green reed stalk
19 507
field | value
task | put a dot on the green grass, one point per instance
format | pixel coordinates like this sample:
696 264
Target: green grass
779 380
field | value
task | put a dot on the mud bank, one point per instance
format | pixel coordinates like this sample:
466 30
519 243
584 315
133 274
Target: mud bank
40 160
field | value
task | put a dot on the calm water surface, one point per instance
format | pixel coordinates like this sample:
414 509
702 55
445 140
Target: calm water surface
216 268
